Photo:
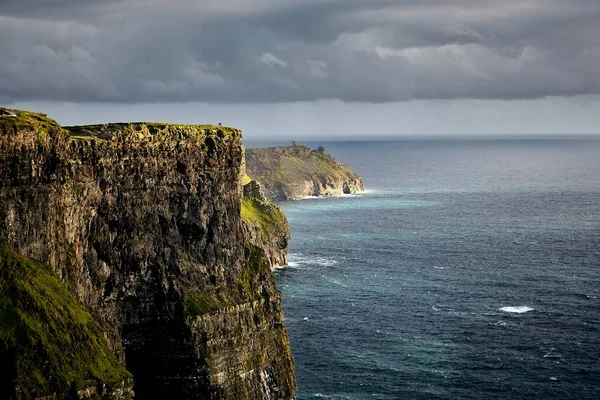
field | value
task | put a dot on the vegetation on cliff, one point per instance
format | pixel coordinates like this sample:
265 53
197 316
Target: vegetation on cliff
261 212
247 287
141 225
51 343
157 131
17 120
291 172
265 225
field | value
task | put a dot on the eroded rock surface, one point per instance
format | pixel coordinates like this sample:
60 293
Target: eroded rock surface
141 223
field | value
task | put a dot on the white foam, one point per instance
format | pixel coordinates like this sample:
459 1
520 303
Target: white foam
516 310
334 281
322 261
330 196
297 260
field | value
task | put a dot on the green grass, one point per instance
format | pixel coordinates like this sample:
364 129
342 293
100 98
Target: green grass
246 180
261 212
55 342
44 128
26 121
286 164
245 290
156 131
206 303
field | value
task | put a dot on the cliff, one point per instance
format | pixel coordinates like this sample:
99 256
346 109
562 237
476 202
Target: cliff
69 355
265 226
293 172
141 224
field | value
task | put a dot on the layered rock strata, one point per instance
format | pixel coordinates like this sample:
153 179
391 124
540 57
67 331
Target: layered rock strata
265 226
141 223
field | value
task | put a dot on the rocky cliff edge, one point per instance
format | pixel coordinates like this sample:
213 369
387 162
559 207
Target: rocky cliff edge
141 225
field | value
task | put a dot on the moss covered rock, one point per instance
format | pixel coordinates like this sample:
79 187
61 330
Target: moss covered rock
142 224
48 340
265 225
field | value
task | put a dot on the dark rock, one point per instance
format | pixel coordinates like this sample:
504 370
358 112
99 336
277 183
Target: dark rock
141 223
265 225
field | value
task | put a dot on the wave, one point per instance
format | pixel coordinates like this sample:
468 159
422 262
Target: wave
298 259
334 281
333 196
326 396
516 310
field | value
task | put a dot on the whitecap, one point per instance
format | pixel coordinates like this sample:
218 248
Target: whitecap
298 259
516 310
552 355
322 261
330 196
334 281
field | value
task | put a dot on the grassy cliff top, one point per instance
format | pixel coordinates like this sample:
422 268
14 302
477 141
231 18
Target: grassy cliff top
52 343
13 121
107 131
261 212
292 164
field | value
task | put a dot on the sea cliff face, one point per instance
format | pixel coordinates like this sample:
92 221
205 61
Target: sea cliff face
294 172
265 226
142 225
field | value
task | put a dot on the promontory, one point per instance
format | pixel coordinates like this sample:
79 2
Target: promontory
294 172
133 260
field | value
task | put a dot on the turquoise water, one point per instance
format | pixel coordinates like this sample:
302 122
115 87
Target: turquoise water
470 270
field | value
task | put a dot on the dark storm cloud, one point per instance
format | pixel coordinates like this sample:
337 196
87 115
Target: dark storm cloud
273 50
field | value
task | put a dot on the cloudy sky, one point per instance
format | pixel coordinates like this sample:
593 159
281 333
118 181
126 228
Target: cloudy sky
300 67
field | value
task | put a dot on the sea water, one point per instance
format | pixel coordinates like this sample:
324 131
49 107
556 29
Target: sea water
469 270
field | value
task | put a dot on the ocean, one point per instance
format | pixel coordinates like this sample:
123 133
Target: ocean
469 270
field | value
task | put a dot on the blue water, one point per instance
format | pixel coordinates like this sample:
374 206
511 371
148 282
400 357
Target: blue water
402 292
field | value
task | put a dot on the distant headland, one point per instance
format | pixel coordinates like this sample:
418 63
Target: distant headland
294 172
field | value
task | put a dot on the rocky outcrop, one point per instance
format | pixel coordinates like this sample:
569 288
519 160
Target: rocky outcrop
142 225
265 225
50 342
293 172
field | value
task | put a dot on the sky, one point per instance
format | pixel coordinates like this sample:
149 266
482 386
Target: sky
293 68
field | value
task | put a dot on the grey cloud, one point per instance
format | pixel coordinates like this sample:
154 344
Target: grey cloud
300 50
